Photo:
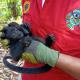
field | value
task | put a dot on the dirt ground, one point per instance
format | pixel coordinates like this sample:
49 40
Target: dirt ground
5 73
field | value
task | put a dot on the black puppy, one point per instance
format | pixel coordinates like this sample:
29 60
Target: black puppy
17 35
20 37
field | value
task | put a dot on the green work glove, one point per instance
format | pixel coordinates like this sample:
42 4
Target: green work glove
38 52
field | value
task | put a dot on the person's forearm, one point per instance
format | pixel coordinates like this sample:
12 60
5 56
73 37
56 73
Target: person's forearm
70 65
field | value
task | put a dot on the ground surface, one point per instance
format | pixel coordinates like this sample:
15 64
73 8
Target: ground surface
5 73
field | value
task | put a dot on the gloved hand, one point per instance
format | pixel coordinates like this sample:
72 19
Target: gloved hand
38 52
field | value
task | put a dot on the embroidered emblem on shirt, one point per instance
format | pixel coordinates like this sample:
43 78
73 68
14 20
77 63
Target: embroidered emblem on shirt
73 19
26 6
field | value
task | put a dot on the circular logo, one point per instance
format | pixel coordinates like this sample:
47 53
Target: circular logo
73 19
26 6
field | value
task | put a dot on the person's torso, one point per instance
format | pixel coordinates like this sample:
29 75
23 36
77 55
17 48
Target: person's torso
62 19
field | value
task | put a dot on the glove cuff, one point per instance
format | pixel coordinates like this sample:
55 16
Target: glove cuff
47 55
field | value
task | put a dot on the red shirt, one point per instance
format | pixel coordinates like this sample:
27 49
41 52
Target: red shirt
58 17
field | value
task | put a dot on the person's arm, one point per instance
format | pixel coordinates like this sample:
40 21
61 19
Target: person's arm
69 64
53 58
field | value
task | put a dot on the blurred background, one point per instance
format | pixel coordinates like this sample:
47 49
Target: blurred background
10 10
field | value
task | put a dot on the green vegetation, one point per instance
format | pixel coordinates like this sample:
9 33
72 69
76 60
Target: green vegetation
9 9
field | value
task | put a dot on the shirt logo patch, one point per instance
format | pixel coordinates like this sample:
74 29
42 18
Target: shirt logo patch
26 7
73 19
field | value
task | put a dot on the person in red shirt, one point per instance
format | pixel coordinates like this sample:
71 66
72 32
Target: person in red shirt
62 19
